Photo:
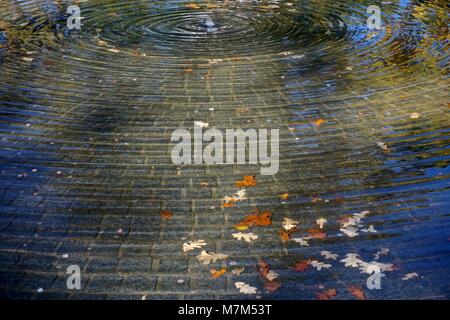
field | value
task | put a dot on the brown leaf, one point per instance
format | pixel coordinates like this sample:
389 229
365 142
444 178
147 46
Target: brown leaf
263 268
248 181
326 295
284 235
357 292
316 234
165 214
272 286
255 219
301 266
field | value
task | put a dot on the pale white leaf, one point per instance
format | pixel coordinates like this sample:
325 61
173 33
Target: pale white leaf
248 237
191 245
329 255
245 288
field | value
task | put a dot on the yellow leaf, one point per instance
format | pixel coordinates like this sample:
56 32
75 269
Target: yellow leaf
217 273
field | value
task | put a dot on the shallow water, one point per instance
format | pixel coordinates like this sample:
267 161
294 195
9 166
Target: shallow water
86 118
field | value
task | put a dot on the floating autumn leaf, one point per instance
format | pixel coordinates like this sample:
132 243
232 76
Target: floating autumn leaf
229 204
301 266
137 53
213 6
370 229
320 265
414 115
217 273
201 124
284 196
241 226
191 245
410 276
364 267
350 231
166 214
316 234
284 235
269 6
255 219
381 252
230 201
206 258
113 50
352 260
248 181
289 224
326 295
240 195
237 271
383 146
321 222
318 122
263 268
272 286
316 199
301 241
241 110
248 237
357 292
102 43
271 275
245 288
204 184
328 255
192 6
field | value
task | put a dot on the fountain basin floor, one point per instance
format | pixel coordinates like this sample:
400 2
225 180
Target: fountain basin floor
86 176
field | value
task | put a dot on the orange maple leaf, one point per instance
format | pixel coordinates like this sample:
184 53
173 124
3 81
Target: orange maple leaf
285 235
217 273
255 219
165 214
248 181
228 204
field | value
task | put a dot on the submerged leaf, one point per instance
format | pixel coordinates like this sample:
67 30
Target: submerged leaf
326 295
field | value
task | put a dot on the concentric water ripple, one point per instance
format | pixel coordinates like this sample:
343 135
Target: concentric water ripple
86 119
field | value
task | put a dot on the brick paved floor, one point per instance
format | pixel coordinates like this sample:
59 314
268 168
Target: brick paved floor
86 170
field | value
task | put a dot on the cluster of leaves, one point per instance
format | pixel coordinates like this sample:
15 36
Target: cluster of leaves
257 218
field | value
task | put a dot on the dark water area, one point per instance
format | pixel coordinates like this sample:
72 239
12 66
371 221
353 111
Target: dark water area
86 118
